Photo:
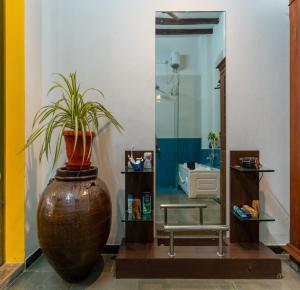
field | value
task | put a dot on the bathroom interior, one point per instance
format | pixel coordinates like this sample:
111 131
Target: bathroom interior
188 119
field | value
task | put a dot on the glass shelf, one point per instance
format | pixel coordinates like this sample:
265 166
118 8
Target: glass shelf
144 218
263 217
260 169
131 171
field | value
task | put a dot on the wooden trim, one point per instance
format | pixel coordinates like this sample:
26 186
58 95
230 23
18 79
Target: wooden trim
9 273
292 251
172 14
291 2
221 65
222 69
183 31
294 126
185 21
1 131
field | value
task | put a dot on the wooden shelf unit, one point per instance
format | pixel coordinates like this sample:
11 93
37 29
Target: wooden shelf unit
137 183
248 259
244 188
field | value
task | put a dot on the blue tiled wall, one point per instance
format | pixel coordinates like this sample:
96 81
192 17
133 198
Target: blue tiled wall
178 150
166 160
205 154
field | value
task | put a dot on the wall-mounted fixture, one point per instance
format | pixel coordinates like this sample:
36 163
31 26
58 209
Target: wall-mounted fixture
159 93
175 60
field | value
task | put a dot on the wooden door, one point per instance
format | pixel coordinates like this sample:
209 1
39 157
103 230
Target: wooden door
294 246
222 68
1 126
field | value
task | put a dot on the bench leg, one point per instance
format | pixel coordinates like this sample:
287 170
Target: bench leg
171 248
201 215
165 216
220 252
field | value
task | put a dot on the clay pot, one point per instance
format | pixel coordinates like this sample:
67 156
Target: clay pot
74 219
76 160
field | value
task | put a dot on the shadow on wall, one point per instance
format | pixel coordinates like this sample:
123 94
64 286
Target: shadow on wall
270 204
32 198
107 162
120 227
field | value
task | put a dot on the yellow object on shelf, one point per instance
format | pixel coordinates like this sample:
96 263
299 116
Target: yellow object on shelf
255 205
252 211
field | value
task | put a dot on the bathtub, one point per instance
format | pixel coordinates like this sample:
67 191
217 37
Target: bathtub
202 182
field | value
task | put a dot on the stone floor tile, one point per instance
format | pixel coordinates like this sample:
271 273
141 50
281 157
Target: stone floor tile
40 265
153 284
40 281
290 281
202 284
41 276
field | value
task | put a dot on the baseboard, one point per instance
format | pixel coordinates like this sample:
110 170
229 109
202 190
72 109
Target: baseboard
111 249
293 252
33 257
277 249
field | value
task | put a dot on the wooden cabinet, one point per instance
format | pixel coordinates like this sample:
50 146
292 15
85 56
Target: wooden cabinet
293 247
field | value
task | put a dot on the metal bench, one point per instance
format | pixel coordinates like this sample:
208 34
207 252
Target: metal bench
178 228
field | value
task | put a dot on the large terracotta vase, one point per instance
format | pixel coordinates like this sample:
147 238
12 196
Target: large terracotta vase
74 219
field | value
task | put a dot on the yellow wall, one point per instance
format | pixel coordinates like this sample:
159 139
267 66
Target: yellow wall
14 132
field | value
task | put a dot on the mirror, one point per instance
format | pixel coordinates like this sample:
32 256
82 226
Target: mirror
190 116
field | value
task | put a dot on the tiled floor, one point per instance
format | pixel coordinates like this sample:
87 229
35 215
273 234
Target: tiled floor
41 276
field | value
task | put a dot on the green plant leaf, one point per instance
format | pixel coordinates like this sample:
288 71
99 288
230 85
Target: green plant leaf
71 112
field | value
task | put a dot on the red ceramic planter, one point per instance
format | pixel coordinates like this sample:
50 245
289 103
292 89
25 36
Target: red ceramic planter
77 160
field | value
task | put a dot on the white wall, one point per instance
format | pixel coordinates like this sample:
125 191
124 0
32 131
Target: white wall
41 59
179 116
112 46
206 88
218 53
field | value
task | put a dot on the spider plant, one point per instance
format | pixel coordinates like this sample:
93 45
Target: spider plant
70 112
